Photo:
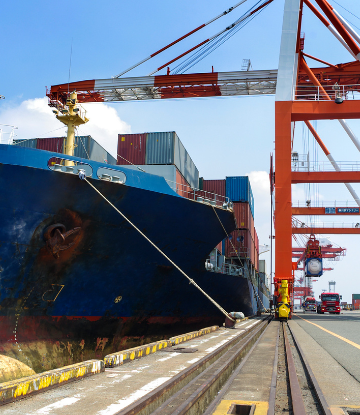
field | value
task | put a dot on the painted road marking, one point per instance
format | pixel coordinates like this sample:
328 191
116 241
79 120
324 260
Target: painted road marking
124 402
333 334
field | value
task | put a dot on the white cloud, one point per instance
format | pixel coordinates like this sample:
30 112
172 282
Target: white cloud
34 118
104 125
260 186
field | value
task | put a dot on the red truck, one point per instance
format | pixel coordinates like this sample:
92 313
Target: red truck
330 303
309 304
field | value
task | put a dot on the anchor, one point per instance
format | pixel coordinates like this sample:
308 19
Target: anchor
55 236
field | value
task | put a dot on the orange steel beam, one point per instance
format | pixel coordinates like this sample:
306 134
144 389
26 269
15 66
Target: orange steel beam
283 217
320 211
328 231
325 177
339 26
325 110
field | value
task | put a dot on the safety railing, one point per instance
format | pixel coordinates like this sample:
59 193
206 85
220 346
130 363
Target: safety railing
228 269
200 196
343 225
302 164
326 204
316 93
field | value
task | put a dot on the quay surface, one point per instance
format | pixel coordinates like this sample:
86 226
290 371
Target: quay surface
330 346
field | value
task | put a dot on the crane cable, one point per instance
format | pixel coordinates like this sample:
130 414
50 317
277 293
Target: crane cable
217 40
229 10
191 281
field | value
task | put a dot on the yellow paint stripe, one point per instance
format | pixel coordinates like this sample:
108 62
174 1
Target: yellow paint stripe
261 408
333 334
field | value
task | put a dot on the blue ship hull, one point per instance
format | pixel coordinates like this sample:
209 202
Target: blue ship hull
110 287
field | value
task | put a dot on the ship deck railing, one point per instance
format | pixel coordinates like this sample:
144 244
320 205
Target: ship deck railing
201 196
228 269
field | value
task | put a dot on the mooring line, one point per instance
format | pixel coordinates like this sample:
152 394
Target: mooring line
191 281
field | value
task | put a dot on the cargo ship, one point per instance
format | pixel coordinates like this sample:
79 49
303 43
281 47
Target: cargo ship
78 282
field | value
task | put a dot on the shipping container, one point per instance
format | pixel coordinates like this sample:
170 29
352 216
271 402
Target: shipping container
29 143
238 189
256 240
355 297
262 266
85 147
243 215
131 147
54 144
214 186
182 186
172 176
201 183
219 247
240 240
252 227
166 148
356 304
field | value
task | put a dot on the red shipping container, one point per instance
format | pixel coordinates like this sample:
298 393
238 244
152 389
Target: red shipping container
182 186
131 147
243 214
356 304
215 186
252 228
54 144
241 242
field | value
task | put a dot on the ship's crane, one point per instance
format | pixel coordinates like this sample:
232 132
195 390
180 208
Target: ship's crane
302 94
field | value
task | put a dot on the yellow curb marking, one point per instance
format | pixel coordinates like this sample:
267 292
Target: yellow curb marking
261 408
333 334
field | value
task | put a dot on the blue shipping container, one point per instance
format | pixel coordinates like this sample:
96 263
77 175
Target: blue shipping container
238 189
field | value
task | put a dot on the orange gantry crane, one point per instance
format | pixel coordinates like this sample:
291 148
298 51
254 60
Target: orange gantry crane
302 94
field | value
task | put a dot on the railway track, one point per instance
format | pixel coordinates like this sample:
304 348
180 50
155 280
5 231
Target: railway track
294 389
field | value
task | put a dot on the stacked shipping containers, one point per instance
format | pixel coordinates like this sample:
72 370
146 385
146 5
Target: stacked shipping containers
244 239
85 147
161 149
356 301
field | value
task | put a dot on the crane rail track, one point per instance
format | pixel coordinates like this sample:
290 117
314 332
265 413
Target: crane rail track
303 394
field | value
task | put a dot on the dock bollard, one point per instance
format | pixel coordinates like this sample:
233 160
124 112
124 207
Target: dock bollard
230 321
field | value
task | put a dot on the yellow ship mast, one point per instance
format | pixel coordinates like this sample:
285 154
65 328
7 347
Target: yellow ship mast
72 116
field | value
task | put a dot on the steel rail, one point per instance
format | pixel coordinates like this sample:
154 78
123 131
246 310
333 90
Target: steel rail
322 401
295 390
156 399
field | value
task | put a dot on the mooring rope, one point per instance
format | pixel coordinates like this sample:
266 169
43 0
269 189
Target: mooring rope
251 282
191 281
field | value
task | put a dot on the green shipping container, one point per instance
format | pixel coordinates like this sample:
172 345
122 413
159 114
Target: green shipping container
356 297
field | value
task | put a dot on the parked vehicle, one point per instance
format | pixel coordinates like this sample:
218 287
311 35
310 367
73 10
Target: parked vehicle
309 304
330 303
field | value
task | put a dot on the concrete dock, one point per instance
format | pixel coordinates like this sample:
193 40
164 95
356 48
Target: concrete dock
330 343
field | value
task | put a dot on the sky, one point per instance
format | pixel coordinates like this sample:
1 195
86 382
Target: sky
46 43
